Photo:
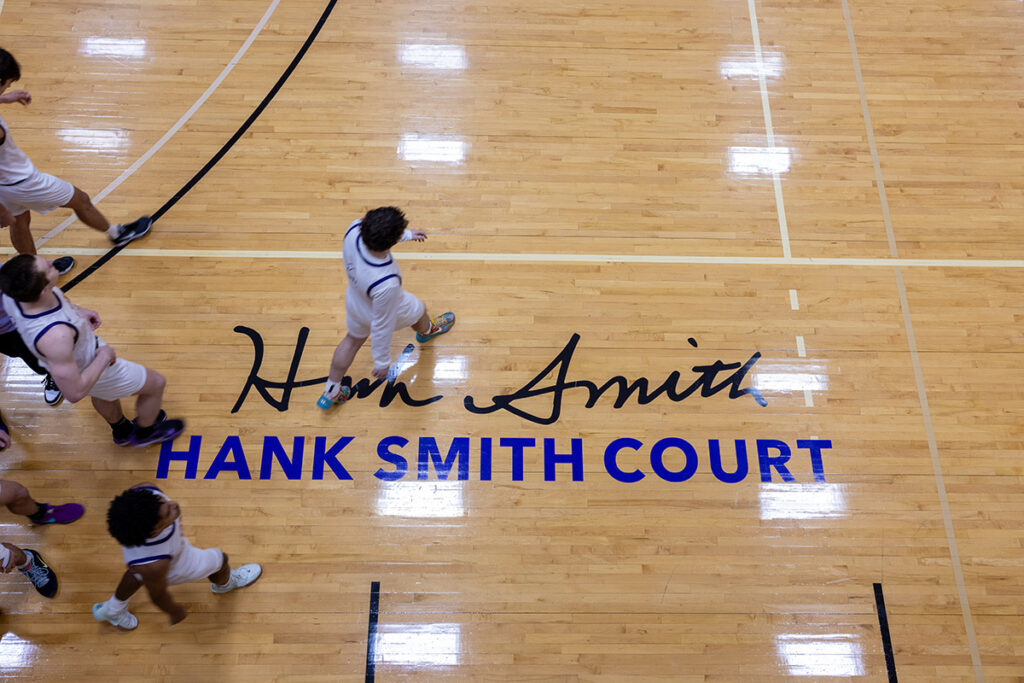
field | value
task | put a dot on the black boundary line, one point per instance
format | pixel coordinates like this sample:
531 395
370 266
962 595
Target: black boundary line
223 150
883 624
371 632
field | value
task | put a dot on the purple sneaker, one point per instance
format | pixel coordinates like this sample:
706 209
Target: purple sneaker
161 431
59 514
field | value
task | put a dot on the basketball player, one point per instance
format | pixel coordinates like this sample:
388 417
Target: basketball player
62 336
12 345
27 561
147 524
375 303
24 188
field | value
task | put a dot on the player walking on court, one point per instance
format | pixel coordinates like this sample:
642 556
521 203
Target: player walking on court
147 524
375 303
23 187
63 338
30 563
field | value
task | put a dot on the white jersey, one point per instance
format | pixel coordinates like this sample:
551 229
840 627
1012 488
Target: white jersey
167 546
15 166
33 326
373 285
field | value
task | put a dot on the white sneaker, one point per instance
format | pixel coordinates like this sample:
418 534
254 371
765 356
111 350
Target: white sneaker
240 578
125 621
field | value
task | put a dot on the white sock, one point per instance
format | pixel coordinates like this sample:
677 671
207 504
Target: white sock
333 390
113 231
115 606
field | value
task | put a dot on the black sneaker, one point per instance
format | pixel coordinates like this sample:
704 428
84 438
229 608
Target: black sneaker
40 574
63 264
51 392
133 231
166 430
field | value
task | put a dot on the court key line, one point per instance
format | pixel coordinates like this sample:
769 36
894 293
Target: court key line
769 129
136 251
922 394
128 172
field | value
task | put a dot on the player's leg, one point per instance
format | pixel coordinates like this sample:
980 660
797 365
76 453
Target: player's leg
18 500
32 566
227 579
115 610
342 359
427 328
151 423
21 234
87 212
111 411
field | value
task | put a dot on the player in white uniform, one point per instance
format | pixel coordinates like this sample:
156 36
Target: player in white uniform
24 188
375 303
63 338
147 524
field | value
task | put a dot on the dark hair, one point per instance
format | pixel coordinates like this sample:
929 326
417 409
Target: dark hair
21 280
382 228
9 68
133 515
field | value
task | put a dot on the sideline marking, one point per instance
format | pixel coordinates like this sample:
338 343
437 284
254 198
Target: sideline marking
174 129
267 99
777 184
553 258
883 625
371 632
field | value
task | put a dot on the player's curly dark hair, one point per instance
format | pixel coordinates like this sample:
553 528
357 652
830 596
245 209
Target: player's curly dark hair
382 228
9 69
133 515
21 280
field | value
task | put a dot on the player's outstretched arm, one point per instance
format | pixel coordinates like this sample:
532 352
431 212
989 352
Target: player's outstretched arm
20 96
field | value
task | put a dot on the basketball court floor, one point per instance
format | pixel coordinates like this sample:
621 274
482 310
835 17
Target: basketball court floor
735 388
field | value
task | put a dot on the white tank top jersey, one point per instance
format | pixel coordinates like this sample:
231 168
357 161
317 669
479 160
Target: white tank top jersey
167 546
32 327
15 166
377 286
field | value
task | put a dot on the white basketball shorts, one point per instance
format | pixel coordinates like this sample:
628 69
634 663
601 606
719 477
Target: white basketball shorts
40 192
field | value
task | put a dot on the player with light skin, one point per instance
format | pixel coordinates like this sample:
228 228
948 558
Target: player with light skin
62 336
375 303
24 188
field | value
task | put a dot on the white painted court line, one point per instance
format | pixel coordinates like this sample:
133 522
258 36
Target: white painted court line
134 251
879 183
793 302
933 451
770 130
808 398
801 350
174 129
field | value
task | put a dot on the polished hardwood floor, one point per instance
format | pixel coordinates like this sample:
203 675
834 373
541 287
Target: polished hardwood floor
800 218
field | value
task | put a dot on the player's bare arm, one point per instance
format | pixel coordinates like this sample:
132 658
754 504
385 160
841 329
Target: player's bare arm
57 346
19 96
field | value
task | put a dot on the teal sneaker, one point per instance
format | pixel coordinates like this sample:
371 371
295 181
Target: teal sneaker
438 326
325 402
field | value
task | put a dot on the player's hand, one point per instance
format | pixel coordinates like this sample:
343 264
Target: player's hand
5 440
418 235
92 316
107 353
380 373
20 96
177 614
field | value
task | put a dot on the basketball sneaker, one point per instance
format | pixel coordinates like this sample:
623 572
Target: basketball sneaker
63 264
51 392
326 402
165 430
240 578
438 326
58 514
132 231
40 574
125 621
